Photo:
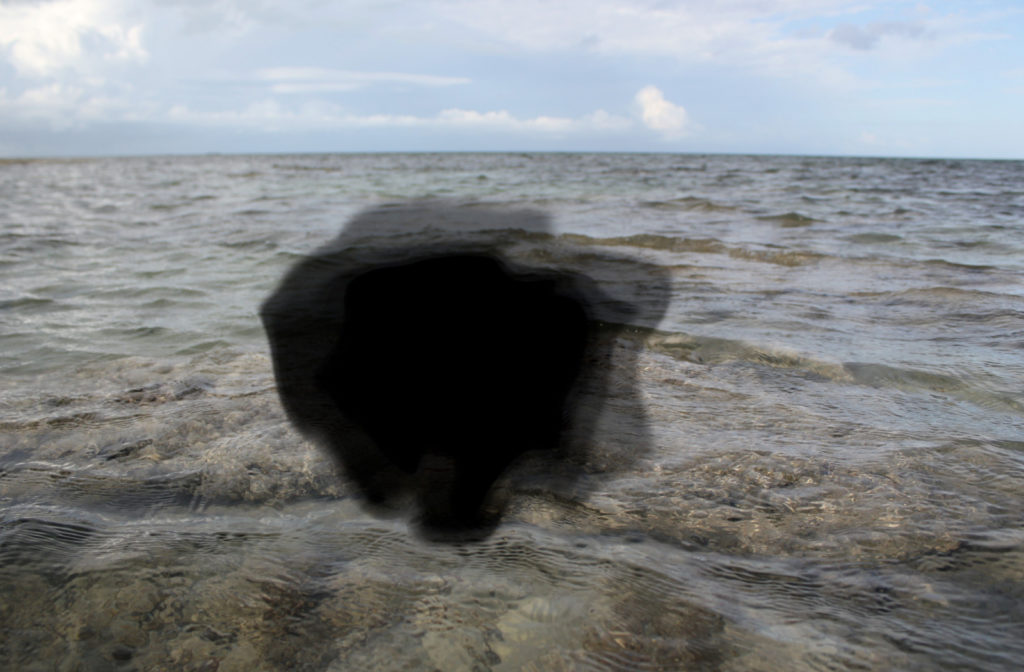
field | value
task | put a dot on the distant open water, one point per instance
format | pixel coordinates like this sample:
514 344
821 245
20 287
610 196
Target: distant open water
835 397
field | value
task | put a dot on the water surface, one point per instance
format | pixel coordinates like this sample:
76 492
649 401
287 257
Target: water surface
834 401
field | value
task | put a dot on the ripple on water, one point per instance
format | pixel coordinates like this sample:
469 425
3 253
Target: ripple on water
835 482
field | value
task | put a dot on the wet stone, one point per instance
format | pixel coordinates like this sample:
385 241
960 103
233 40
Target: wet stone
121 654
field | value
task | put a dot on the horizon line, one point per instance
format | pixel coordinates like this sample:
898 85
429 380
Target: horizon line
14 159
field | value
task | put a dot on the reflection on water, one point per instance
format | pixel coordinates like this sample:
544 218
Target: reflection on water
832 405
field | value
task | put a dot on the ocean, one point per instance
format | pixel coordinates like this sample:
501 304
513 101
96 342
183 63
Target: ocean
809 453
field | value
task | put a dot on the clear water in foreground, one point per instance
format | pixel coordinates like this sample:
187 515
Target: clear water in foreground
834 398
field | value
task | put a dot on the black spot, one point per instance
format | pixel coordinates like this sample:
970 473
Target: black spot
427 362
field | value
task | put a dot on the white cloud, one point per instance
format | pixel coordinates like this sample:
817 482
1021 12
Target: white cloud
870 139
502 120
661 115
42 39
270 115
602 121
50 96
312 80
61 106
764 37
737 32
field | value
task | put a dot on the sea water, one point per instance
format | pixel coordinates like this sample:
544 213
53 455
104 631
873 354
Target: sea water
833 398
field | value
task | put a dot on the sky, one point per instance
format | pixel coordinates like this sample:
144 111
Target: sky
818 77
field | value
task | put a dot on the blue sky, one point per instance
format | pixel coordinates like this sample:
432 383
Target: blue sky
117 77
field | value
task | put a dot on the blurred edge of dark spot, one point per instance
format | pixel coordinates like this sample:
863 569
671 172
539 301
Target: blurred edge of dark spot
446 376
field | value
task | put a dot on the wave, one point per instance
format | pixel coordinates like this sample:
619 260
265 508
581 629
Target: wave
95 488
790 219
868 238
27 304
710 350
692 203
653 241
43 545
945 296
153 293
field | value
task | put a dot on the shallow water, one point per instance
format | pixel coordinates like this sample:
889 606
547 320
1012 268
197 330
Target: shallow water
834 401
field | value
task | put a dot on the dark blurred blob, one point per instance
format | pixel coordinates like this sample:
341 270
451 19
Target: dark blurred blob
425 354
